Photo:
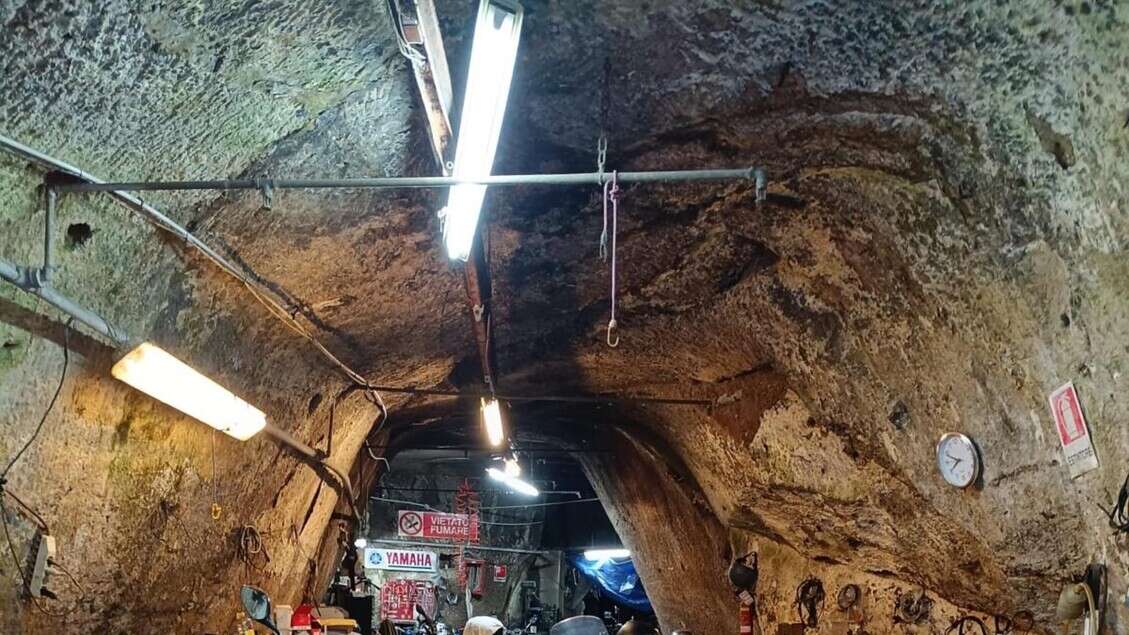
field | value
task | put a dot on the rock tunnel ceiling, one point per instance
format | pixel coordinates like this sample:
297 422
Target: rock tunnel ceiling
942 246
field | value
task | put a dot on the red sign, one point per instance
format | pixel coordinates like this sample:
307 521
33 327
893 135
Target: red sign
500 572
398 599
1072 432
437 526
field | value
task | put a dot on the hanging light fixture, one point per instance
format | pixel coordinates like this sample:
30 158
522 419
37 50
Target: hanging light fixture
492 421
158 374
606 554
510 475
492 56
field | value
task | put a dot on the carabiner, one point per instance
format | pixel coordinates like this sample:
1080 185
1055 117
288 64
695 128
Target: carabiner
612 328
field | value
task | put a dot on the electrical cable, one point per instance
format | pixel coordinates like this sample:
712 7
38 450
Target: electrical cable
4 476
81 589
38 519
412 55
550 504
50 405
16 563
1119 515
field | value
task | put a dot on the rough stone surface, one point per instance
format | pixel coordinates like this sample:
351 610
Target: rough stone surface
943 245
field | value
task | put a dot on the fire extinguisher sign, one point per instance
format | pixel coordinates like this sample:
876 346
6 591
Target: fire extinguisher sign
1073 434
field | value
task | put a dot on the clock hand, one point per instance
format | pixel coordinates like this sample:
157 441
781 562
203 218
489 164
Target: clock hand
954 459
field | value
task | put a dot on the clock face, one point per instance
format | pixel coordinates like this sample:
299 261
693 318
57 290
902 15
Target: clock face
958 460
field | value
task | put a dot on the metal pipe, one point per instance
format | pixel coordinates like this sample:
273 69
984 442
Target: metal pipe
579 178
600 399
27 281
442 545
148 212
48 233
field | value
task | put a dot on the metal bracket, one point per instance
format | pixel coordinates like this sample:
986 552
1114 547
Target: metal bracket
761 185
266 188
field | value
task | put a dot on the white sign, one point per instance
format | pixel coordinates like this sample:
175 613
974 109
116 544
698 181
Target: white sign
1073 434
401 560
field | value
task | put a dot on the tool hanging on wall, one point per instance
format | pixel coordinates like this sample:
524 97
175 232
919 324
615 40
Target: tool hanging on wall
967 625
849 600
914 607
809 599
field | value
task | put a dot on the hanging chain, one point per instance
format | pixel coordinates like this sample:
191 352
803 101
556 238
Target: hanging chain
605 108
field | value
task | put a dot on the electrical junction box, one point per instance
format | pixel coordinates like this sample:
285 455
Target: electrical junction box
43 550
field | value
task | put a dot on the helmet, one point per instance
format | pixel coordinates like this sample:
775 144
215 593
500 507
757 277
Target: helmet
744 576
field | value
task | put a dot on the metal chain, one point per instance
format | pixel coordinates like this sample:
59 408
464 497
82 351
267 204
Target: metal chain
605 108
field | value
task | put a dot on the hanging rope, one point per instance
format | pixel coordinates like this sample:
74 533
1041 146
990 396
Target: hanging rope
217 511
611 193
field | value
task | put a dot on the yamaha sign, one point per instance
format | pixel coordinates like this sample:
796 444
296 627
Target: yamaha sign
401 560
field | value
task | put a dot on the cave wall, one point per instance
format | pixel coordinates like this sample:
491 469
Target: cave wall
943 244
126 484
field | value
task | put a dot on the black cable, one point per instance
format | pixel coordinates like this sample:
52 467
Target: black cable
16 562
1119 515
809 599
50 406
962 625
12 463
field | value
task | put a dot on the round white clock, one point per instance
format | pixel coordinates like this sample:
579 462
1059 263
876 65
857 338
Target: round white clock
958 460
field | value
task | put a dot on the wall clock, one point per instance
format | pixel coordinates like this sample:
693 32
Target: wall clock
958 460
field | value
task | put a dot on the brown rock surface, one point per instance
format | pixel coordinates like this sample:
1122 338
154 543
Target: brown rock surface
941 247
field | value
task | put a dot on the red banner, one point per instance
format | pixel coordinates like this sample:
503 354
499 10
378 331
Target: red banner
398 599
437 526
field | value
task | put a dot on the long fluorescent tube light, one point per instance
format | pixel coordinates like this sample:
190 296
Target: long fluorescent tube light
605 554
513 482
169 380
492 56
492 421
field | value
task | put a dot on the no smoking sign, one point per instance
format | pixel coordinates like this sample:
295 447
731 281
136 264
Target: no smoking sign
410 524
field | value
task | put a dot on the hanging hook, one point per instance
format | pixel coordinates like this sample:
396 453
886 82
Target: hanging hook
613 331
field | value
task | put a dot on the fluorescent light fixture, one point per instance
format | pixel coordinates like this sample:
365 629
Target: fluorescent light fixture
169 380
511 467
492 420
360 543
606 554
513 482
492 57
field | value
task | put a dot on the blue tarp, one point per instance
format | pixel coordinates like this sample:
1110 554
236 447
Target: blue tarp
615 578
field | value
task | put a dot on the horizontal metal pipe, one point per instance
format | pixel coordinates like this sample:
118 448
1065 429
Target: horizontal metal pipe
600 399
447 545
581 178
148 212
13 274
